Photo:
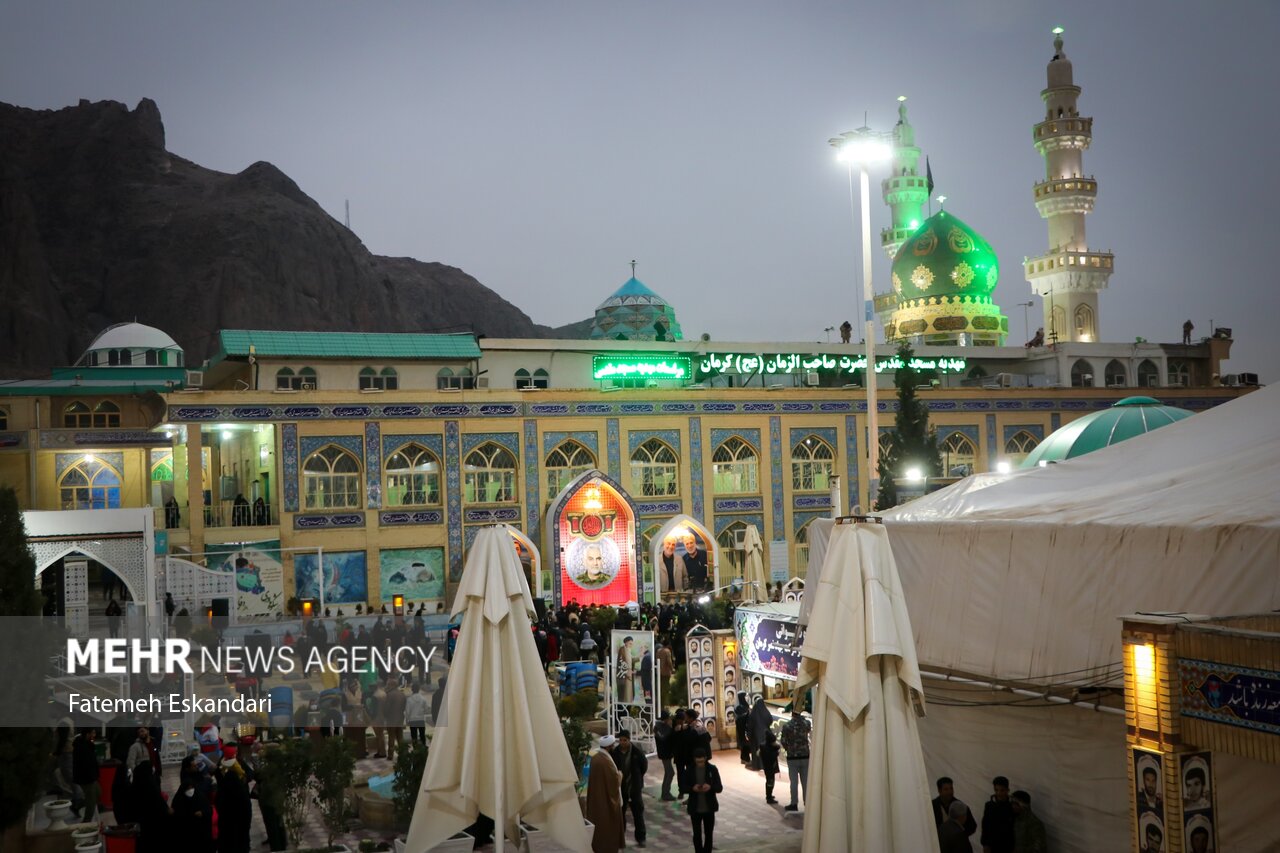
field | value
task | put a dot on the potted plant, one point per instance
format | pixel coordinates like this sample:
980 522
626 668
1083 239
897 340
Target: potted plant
333 768
287 771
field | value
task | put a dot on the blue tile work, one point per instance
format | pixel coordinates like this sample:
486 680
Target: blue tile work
775 474
395 518
1055 421
532 476
431 441
799 434
637 437
695 467
353 443
328 521
800 519
851 460
723 521
1011 430
453 497
373 464
589 440
113 459
811 501
509 440
991 440
750 436
289 461
501 515
658 508
737 504
612 441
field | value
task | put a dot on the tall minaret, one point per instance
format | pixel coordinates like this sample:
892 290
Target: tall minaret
905 191
1068 276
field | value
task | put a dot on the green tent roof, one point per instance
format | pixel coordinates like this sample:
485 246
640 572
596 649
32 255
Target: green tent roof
1125 419
236 342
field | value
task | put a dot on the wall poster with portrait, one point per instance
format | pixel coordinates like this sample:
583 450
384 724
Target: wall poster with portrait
593 531
682 565
1148 774
1199 828
633 685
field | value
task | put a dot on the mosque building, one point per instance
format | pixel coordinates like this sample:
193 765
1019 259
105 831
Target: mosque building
376 457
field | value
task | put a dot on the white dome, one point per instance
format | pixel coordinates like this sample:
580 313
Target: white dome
133 336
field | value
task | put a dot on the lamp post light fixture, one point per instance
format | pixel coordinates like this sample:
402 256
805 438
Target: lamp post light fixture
863 148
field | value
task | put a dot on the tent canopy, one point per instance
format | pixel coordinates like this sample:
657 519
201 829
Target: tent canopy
1023 577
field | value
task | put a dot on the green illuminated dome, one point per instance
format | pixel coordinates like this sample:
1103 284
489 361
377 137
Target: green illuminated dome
945 257
1125 419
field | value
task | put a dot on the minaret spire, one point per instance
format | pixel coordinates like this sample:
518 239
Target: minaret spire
905 191
1068 276
633 268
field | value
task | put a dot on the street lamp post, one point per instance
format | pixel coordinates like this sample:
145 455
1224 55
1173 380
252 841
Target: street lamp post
863 147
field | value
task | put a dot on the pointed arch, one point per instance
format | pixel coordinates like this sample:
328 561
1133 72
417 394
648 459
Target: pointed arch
812 461
676 526
89 483
489 474
959 455
331 479
736 467
565 461
655 469
412 477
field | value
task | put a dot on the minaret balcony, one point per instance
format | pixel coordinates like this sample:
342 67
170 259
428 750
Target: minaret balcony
1073 132
1065 270
895 236
1065 195
904 184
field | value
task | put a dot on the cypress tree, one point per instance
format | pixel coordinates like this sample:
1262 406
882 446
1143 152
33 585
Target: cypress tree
913 443
24 752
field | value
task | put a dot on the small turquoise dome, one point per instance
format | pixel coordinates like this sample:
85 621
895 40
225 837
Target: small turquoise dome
635 313
1125 419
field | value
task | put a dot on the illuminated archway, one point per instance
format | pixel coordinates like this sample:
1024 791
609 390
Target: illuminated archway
677 526
591 533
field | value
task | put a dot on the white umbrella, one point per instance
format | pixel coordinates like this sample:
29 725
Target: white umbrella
866 771
753 565
501 750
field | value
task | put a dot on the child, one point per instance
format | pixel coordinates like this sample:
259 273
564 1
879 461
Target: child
769 761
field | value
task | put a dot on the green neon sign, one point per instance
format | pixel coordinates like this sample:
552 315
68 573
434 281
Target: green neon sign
640 367
787 363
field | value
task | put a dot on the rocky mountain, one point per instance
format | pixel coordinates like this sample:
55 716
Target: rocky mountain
100 224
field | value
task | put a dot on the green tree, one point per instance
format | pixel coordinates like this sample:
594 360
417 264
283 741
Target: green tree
411 763
24 752
333 766
913 443
286 769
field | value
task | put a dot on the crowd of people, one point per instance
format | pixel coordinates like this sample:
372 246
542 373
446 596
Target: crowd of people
1008 823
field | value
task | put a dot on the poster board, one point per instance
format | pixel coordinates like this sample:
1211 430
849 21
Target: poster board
632 686
779 561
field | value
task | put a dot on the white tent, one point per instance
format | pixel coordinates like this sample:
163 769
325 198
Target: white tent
1024 578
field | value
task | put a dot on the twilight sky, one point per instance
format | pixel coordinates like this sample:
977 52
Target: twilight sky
542 146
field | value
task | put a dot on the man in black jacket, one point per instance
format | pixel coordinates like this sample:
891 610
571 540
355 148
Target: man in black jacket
942 803
633 765
703 783
997 819
84 771
664 736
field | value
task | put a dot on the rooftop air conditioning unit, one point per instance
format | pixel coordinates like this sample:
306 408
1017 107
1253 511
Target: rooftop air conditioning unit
1249 379
194 379
308 386
1231 380
812 379
482 381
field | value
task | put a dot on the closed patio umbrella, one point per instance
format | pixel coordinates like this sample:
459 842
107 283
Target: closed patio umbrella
866 770
499 748
753 566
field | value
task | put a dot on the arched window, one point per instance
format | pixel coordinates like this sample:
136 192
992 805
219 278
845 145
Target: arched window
958 455
308 380
1081 374
523 379
332 479
113 357
489 475
566 460
736 468
106 415
286 381
655 470
449 380
1179 373
1084 323
811 462
802 552
541 378
886 443
90 484
1019 445
413 477
730 557
1148 374
372 380
162 468
152 358
1117 376
1058 323
77 416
